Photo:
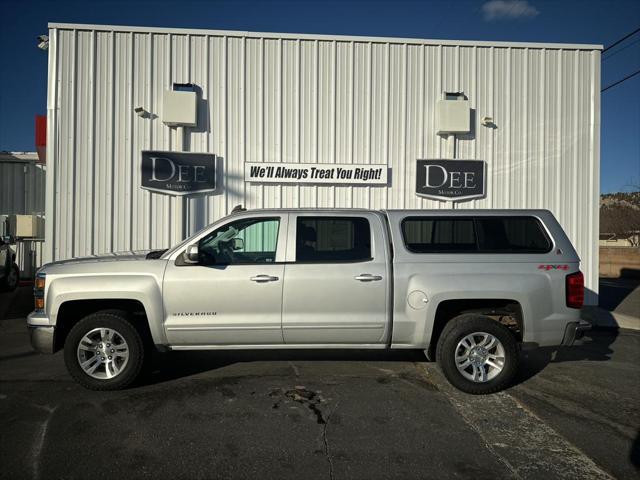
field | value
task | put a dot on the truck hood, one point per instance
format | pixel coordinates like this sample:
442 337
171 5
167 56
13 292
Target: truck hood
108 257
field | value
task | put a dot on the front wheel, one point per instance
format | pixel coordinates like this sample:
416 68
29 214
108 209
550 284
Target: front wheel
477 354
104 351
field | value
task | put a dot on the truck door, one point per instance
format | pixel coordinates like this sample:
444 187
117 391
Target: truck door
233 295
336 280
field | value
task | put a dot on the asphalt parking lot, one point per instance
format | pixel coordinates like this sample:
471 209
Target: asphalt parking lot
620 295
336 415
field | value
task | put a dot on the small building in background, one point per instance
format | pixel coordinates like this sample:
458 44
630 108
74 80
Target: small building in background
22 202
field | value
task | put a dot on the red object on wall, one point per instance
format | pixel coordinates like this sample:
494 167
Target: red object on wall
41 137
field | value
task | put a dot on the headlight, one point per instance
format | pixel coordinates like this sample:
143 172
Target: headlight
38 291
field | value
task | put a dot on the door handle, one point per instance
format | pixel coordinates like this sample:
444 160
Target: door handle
367 277
264 278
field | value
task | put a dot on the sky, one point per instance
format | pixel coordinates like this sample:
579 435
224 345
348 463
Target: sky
23 67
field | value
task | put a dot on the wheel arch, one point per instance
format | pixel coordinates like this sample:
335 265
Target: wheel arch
502 310
70 312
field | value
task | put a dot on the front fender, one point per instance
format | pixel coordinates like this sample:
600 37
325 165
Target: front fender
143 288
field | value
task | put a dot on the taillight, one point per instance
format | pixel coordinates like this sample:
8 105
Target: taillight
575 290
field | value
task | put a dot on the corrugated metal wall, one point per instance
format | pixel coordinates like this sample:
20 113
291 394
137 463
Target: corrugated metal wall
275 98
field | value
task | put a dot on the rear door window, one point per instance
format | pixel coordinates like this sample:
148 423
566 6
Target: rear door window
333 239
475 235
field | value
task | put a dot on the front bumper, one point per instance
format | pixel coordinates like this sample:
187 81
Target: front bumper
41 334
574 332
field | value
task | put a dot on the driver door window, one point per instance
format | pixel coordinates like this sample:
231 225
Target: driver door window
246 241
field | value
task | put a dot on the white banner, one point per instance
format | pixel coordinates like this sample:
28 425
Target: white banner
318 173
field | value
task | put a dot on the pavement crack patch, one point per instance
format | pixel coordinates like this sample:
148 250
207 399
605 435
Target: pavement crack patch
305 397
311 400
325 441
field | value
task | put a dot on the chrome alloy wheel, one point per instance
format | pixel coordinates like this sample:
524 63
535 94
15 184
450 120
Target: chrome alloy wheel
480 357
103 353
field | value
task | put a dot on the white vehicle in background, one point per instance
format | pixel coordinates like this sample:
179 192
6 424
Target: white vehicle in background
467 287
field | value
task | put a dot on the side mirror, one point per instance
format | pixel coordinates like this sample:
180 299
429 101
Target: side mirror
191 254
237 244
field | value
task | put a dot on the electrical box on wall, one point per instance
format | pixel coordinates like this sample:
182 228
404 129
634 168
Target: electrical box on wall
179 106
453 114
25 226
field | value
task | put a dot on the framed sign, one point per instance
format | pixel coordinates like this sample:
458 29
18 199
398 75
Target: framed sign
318 173
178 173
453 180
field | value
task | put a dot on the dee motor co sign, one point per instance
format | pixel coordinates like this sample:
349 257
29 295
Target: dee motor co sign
178 173
453 180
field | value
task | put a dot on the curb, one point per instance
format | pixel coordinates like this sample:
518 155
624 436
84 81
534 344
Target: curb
599 317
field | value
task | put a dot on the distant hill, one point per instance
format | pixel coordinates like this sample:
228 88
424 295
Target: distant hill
620 214
620 199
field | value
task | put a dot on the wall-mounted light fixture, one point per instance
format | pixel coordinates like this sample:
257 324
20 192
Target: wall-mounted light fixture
43 42
487 121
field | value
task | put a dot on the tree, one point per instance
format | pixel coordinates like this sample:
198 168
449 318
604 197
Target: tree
621 218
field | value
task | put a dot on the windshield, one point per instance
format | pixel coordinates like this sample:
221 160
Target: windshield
189 240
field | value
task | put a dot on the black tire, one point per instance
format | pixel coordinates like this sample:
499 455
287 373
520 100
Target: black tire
112 320
455 331
10 282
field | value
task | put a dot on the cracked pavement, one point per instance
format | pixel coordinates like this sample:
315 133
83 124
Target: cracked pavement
328 415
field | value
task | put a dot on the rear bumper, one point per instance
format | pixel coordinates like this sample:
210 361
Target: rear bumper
574 332
42 336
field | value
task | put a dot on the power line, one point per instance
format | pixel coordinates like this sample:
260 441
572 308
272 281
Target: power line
622 39
620 81
635 42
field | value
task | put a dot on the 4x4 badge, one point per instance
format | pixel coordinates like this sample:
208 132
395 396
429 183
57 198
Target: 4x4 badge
553 267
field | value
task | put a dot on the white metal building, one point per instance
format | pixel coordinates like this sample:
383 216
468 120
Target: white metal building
285 98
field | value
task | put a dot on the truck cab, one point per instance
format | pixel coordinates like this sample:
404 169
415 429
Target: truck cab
300 279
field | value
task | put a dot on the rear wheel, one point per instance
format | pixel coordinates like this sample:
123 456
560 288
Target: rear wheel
477 354
104 351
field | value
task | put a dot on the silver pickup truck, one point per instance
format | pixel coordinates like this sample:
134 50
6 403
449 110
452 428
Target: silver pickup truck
469 288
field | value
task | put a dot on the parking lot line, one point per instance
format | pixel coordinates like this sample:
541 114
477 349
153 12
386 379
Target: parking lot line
528 446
